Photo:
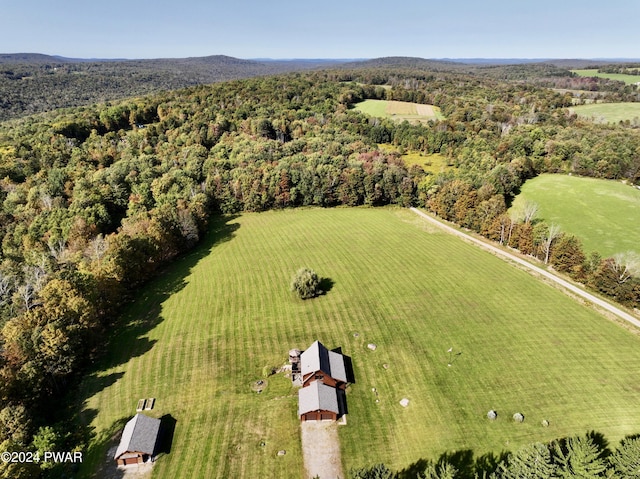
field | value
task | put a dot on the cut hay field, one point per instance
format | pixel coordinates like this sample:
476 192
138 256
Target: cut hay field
400 110
628 79
201 335
604 214
608 112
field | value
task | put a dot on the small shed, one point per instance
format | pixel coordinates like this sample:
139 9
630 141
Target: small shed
317 402
138 442
319 364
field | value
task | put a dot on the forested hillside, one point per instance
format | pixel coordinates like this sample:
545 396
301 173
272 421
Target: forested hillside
96 199
31 83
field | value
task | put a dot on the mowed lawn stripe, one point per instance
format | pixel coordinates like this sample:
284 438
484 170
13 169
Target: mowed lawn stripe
227 317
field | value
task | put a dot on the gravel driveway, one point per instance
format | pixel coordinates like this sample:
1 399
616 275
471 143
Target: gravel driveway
321 450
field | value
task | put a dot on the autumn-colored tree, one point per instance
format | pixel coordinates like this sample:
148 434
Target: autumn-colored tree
567 256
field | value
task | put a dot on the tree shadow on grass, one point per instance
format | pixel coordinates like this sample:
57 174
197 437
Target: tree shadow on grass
128 334
325 285
412 471
466 465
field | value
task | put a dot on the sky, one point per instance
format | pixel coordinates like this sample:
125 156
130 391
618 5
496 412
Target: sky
322 29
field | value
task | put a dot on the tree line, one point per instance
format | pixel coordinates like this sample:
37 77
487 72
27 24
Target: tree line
582 456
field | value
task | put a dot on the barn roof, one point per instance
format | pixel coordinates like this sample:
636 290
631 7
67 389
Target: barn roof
140 434
317 396
319 358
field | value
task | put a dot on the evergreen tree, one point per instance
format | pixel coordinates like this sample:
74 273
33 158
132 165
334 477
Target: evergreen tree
579 457
529 462
626 459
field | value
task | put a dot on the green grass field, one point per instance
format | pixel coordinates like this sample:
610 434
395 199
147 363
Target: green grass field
400 110
628 79
216 321
434 163
608 112
604 214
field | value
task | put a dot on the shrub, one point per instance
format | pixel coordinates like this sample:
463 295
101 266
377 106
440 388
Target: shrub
306 283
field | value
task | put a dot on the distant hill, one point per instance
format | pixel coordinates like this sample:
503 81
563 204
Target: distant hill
403 62
32 83
36 58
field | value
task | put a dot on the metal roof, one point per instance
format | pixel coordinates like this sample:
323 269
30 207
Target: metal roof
140 435
319 358
317 396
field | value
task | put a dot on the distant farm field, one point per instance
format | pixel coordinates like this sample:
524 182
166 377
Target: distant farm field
628 79
604 214
609 112
217 321
400 110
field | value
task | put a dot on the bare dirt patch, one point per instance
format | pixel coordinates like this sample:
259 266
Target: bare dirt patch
321 450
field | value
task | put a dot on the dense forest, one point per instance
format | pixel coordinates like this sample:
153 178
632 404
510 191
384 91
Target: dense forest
95 200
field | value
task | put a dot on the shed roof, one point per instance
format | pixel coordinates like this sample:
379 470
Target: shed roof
317 396
140 434
319 358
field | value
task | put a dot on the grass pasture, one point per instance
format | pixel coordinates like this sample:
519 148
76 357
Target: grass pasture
609 112
604 214
400 110
628 79
219 319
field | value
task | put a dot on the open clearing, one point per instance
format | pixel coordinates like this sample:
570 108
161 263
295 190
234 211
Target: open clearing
400 110
609 112
604 214
218 320
628 79
433 163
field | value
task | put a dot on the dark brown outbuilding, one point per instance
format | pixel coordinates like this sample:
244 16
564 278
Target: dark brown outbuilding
138 442
317 402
